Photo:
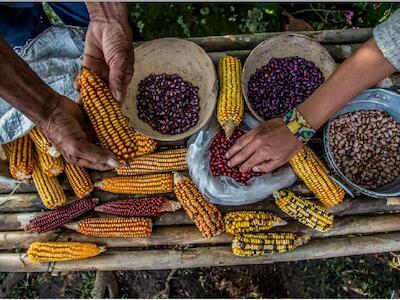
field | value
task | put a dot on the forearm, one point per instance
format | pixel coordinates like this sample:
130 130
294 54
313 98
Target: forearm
22 88
361 71
107 11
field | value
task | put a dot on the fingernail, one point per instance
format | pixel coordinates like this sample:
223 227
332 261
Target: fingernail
227 155
229 164
113 163
118 96
255 169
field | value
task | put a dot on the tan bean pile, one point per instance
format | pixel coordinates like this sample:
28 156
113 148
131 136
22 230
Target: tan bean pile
366 147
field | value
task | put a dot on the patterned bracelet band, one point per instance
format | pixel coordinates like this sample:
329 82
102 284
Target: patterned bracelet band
298 125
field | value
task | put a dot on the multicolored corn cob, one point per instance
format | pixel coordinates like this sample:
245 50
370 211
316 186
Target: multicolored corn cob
79 179
204 214
49 189
42 143
111 126
139 185
251 221
114 227
20 157
166 161
60 251
254 244
304 211
56 218
312 171
139 207
230 107
51 166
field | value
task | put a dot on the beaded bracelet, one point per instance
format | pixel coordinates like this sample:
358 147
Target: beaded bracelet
298 125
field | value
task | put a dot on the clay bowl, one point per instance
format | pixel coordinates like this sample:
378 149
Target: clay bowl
285 45
173 56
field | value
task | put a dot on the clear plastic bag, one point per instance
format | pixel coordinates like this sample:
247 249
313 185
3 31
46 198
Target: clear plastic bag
224 190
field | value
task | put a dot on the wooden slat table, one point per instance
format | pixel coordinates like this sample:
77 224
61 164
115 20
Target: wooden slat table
362 225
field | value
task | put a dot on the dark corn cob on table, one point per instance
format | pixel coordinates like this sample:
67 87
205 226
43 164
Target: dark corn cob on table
88 220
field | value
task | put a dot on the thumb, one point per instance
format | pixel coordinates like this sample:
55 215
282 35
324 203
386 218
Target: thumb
267 166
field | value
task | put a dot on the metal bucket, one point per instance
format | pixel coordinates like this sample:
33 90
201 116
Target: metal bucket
373 99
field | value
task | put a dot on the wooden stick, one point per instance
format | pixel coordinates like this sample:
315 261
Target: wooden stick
206 256
249 41
189 235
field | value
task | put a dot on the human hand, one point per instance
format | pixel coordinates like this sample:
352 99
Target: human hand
264 148
109 52
65 127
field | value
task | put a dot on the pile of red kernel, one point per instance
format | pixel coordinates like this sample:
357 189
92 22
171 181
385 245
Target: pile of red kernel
218 162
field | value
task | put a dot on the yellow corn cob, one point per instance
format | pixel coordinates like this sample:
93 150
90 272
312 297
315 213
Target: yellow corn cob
230 105
204 214
111 126
254 244
314 174
60 251
141 185
304 211
51 166
49 189
251 221
114 227
79 179
166 161
42 143
20 156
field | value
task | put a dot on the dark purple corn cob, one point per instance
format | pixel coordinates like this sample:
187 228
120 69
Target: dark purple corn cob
61 216
139 207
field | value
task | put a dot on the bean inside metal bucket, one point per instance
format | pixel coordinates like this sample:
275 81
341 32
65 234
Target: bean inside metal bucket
366 147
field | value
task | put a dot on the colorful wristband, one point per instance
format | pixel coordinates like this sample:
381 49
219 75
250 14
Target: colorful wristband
298 125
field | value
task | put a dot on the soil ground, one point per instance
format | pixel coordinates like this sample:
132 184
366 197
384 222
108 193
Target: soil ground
368 276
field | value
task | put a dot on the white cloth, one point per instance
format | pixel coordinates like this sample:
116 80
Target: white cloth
55 56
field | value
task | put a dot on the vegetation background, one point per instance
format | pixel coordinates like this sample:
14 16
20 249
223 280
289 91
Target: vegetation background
368 276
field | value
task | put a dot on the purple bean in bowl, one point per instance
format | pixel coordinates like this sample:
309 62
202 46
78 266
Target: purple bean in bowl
167 103
282 84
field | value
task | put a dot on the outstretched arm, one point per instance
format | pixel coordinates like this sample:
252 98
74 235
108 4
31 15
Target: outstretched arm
272 144
58 117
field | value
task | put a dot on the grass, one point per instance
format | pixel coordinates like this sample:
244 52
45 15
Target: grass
24 290
86 284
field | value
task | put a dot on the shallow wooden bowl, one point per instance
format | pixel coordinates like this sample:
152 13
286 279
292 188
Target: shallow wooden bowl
285 45
173 56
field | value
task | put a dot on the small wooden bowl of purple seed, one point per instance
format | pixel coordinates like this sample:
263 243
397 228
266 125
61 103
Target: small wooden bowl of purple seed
173 91
282 72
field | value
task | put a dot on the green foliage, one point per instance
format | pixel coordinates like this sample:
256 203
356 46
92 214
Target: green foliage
155 20
336 277
2 276
24 290
86 284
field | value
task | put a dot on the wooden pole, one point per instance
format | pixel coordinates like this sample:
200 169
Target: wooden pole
189 235
249 41
205 256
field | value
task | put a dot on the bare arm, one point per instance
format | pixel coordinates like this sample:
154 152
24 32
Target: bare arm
272 144
58 117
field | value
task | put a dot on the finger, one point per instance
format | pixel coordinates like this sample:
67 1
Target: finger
268 166
239 145
121 71
254 160
97 65
242 155
77 85
90 165
98 155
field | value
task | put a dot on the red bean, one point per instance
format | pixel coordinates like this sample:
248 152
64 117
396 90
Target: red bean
218 162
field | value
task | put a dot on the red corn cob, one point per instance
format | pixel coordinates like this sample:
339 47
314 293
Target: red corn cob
139 207
59 217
